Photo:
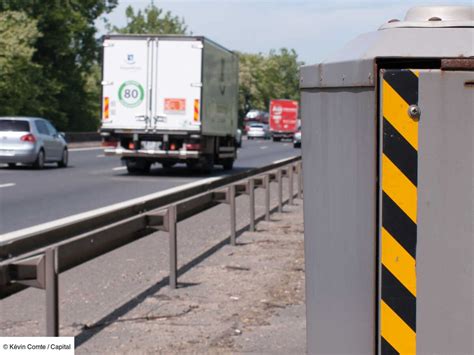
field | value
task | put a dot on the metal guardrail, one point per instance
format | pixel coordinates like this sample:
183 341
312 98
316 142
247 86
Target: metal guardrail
81 137
36 259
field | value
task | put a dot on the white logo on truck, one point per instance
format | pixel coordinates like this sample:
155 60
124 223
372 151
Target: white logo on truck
277 110
130 59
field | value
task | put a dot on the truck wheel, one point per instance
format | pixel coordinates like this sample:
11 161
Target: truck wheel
207 164
168 164
137 166
191 165
276 139
228 163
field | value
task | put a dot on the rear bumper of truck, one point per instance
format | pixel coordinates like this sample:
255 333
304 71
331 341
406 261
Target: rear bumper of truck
277 134
152 154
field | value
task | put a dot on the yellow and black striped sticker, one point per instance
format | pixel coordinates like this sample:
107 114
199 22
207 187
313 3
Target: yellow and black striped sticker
399 180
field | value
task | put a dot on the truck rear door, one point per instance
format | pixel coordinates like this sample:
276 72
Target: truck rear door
177 85
283 116
126 83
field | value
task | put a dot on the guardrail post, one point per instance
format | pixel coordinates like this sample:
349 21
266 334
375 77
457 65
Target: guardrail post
290 183
280 190
266 182
232 214
172 230
300 180
251 185
52 301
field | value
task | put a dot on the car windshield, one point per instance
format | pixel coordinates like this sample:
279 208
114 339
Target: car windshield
7 125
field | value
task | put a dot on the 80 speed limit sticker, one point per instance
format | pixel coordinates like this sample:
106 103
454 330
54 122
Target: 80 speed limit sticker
131 94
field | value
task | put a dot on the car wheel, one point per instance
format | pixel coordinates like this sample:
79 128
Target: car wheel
64 160
39 162
207 164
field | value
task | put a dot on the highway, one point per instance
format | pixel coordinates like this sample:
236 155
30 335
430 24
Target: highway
101 293
29 197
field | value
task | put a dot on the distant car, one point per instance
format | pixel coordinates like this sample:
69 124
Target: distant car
238 138
297 140
252 115
31 140
256 116
247 126
258 130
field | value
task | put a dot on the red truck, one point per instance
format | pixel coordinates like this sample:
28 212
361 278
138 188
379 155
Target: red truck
283 119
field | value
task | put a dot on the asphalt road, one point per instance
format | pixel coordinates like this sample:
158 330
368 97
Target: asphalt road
99 300
30 197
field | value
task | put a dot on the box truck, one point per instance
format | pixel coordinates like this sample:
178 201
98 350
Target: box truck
283 119
169 99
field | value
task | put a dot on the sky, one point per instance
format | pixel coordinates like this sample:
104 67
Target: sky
314 28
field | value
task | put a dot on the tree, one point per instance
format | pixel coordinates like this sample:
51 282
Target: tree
250 76
262 78
281 75
66 53
19 88
152 20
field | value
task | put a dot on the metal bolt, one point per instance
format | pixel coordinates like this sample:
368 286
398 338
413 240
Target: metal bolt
414 112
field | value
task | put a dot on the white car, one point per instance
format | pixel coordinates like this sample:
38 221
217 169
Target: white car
258 130
31 140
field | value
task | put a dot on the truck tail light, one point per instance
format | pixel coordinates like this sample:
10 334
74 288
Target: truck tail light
193 146
28 138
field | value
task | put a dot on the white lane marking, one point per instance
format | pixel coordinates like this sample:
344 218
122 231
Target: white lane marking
286 144
84 149
7 185
119 168
282 160
22 233
264 147
100 156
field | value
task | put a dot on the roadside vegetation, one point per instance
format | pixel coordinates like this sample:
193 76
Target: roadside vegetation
267 76
50 60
